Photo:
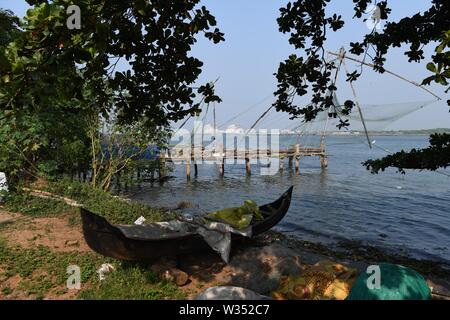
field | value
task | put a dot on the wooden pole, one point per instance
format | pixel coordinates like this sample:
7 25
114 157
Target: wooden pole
359 109
139 178
323 161
188 170
222 168
323 157
195 169
248 168
291 161
215 124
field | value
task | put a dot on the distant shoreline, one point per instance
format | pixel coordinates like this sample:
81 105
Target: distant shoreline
425 132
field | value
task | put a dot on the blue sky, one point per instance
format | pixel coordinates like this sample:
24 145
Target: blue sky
254 47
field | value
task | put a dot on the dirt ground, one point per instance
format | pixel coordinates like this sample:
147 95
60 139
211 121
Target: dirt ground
58 234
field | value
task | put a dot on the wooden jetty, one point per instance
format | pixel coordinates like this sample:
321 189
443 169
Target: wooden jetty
191 157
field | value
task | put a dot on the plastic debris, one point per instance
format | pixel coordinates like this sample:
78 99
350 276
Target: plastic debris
140 221
3 185
104 269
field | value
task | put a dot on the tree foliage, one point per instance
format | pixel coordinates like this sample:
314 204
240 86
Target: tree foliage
309 23
432 158
9 24
54 81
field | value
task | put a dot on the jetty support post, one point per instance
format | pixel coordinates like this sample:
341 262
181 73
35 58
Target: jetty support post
323 156
188 169
291 161
323 161
222 167
248 168
281 163
297 158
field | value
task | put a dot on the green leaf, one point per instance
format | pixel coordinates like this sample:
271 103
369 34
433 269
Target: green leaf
431 67
441 47
6 78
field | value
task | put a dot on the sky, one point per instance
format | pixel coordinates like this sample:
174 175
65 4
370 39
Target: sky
246 62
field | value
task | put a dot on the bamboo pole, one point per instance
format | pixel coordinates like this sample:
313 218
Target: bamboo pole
359 108
387 71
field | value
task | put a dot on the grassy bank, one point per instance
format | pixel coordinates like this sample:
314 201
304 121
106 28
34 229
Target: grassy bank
34 260
113 208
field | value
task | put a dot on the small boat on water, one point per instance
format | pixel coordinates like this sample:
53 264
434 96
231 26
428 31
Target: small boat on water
140 242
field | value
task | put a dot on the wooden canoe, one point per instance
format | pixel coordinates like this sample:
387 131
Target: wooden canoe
153 241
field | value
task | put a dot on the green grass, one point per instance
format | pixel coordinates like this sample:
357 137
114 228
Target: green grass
114 209
7 291
24 262
27 204
133 282
42 270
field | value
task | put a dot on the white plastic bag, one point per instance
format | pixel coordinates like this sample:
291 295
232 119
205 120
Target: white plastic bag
3 185
104 269
140 221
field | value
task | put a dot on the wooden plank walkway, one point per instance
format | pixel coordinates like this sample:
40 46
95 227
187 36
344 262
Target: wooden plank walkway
192 156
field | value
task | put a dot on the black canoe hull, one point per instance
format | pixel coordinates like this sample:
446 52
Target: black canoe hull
109 240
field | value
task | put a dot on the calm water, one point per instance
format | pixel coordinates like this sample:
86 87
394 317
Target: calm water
345 202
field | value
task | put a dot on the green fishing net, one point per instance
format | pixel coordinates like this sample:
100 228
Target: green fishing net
240 217
396 283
